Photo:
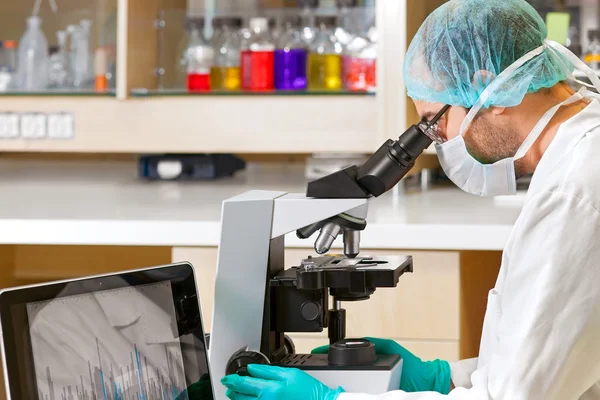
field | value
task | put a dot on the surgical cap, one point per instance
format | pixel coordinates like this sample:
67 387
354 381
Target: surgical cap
465 44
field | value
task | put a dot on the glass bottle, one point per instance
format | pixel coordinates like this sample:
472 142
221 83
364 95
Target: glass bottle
257 58
592 57
360 58
290 58
307 17
32 57
225 72
198 57
325 57
59 75
346 29
8 65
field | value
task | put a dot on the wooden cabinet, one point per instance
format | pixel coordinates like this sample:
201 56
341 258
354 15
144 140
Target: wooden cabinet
422 313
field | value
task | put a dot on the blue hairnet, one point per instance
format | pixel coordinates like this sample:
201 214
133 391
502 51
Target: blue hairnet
465 44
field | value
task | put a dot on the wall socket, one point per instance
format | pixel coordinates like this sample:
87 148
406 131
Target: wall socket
33 126
59 125
9 125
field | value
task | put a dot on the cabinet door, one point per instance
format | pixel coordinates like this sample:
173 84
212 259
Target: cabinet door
424 306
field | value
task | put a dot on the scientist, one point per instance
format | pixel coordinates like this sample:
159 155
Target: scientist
512 114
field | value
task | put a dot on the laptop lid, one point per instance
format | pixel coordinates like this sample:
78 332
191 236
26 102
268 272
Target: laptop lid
131 335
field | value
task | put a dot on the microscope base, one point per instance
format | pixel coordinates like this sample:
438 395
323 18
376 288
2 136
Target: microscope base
380 377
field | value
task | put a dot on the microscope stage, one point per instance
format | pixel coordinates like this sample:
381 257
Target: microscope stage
350 278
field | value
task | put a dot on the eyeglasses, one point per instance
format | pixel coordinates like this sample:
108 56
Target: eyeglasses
431 128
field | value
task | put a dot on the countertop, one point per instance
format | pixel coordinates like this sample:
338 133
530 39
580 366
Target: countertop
101 203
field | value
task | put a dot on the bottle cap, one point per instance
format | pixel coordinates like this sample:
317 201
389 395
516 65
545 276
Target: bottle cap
259 24
231 22
10 44
329 21
86 24
194 23
293 21
346 3
53 49
308 3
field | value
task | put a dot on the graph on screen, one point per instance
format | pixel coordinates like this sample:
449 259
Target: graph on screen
135 381
118 345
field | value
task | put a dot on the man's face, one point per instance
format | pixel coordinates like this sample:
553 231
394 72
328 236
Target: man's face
490 136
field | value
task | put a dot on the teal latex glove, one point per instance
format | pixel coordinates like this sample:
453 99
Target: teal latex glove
417 375
275 383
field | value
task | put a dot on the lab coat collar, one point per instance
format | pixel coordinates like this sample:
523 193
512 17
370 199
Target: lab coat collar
567 137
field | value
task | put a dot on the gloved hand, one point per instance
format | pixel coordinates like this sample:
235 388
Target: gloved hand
417 375
275 383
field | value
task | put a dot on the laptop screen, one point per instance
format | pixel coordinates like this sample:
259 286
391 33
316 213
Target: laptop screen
135 335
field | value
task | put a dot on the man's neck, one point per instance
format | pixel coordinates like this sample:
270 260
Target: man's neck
529 163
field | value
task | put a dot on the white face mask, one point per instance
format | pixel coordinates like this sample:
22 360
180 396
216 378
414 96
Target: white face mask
499 178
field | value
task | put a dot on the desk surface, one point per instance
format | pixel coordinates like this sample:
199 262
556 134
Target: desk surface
75 203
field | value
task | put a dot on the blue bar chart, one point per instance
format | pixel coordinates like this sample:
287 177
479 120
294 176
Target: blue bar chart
115 345
134 382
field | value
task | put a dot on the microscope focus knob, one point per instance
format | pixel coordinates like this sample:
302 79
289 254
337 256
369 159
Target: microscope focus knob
352 352
239 362
310 310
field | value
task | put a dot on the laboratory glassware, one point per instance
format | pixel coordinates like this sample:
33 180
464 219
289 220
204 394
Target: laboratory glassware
257 58
199 57
291 58
225 72
360 58
217 23
307 17
346 27
592 57
32 57
325 57
101 69
59 67
81 59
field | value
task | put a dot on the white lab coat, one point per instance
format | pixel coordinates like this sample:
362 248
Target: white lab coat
541 334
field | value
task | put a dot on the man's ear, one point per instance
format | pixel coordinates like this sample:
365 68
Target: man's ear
497 110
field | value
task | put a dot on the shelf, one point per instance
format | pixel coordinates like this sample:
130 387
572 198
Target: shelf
205 124
60 93
184 93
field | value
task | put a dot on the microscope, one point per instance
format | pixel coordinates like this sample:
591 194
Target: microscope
257 301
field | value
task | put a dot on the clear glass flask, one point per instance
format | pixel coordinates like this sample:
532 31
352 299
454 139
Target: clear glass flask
307 17
59 75
592 57
32 58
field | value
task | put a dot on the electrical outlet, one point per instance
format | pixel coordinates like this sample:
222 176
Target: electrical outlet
33 126
60 126
9 125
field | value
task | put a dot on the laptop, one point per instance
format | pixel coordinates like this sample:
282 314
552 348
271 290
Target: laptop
130 335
